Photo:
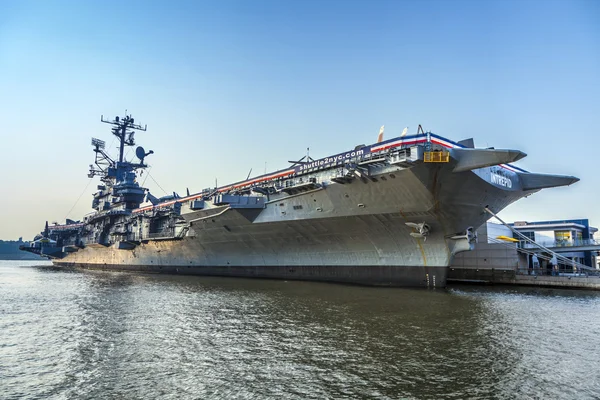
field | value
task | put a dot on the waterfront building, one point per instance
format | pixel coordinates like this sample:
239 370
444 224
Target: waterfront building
496 252
571 238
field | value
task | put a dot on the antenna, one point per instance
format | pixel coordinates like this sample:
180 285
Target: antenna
141 154
306 159
248 177
124 129
103 160
98 144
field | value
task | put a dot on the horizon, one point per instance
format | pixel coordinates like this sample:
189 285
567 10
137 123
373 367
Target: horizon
232 86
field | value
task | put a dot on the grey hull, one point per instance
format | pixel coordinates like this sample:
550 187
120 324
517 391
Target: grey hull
354 233
424 277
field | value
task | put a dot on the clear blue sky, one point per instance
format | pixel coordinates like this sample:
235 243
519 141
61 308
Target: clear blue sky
226 86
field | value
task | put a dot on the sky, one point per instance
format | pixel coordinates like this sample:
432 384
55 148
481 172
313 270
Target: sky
226 86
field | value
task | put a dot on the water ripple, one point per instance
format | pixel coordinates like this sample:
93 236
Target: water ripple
97 335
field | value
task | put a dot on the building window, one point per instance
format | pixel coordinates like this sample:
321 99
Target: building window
529 235
562 236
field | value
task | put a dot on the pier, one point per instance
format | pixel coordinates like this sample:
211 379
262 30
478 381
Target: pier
523 277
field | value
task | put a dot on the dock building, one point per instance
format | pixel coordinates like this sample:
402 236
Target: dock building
553 248
571 238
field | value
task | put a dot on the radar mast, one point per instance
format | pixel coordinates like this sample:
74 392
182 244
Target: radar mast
118 174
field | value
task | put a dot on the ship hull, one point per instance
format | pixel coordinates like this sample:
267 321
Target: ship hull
367 249
352 233
393 276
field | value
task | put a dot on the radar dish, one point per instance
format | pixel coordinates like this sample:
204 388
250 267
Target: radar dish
140 152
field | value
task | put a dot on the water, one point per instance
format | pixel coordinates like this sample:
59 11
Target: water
97 335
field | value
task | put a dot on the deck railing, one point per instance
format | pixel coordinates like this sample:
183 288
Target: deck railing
562 243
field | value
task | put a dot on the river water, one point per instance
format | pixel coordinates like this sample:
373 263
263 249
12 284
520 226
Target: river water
99 335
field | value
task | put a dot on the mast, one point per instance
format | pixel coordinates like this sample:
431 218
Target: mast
124 129
120 189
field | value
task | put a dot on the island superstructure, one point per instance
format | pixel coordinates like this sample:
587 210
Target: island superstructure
391 213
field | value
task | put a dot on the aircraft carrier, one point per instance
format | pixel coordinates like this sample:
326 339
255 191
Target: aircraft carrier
392 213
